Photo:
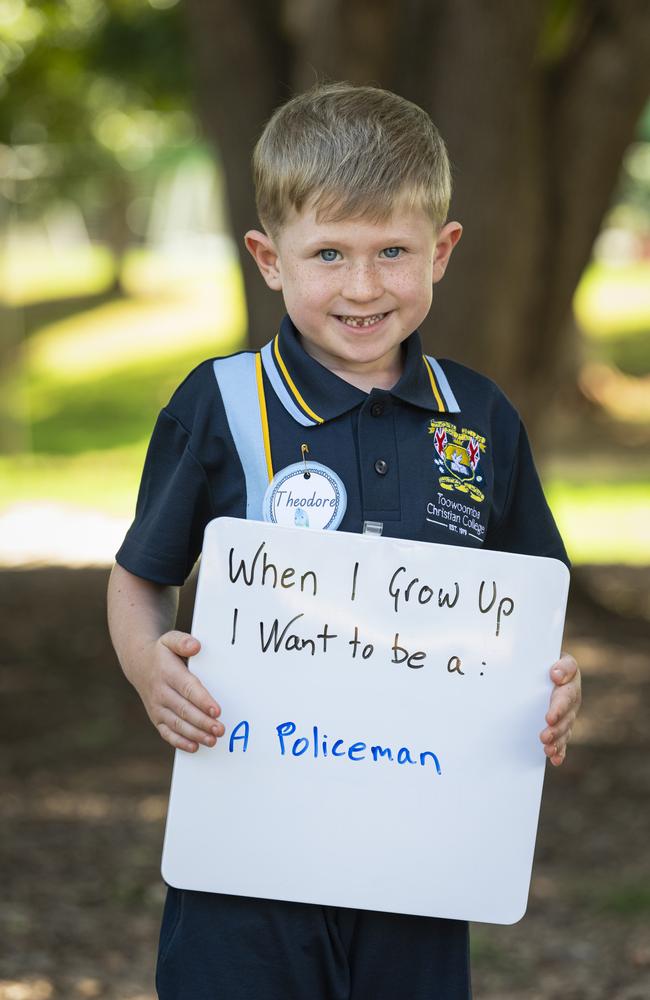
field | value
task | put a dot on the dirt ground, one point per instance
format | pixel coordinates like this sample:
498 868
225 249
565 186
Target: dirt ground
84 781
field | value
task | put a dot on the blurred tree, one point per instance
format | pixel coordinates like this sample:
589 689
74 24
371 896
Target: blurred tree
537 102
94 90
91 92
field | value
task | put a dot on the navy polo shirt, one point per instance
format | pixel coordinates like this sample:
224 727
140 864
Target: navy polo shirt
441 457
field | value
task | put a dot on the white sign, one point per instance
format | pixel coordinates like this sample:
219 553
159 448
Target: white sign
382 701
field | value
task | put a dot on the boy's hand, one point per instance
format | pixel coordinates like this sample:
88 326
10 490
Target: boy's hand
563 709
181 709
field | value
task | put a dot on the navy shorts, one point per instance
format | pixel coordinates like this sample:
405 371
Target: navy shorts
216 947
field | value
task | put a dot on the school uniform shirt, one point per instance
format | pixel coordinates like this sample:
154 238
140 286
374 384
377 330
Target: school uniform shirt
441 457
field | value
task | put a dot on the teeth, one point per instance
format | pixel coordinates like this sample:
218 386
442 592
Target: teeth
360 321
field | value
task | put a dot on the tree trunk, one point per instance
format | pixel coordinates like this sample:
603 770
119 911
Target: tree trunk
535 128
242 68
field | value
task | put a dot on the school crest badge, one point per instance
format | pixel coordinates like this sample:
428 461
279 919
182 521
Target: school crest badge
458 454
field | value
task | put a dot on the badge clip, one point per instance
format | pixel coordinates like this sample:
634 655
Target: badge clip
304 451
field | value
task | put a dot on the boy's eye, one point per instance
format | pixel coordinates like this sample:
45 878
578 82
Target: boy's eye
392 252
328 255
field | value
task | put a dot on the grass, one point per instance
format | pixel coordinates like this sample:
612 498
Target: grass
32 274
626 900
117 407
602 522
97 379
94 382
106 481
488 954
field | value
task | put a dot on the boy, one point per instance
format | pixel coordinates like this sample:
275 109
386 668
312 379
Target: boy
353 188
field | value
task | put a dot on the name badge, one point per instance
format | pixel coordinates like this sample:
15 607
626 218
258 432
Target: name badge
305 495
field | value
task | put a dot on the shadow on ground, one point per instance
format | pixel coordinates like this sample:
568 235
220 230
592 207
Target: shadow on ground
84 781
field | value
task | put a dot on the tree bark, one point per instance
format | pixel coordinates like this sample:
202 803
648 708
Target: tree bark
242 66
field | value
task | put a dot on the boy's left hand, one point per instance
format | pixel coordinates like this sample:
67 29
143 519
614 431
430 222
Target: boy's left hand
563 709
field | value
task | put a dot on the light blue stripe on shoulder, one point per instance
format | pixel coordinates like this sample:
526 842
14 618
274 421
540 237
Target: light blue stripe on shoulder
450 400
281 390
237 381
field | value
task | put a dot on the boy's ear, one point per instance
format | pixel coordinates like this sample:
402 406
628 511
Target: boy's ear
447 239
262 248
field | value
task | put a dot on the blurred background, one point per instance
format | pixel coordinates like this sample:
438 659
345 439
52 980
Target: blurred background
126 128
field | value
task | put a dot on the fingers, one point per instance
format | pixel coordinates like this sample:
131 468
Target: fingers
183 711
564 702
180 643
182 681
567 694
178 741
191 721
563 709
565 670
172 724
559 757
556 737
555 745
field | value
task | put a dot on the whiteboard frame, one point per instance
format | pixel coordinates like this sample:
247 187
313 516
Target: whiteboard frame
457 845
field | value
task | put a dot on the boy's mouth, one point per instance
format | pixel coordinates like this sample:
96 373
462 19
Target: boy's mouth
358 322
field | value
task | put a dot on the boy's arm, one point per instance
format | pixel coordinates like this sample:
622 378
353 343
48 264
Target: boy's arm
565 704
141 617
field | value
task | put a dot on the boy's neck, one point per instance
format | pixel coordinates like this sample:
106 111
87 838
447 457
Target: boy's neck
382 374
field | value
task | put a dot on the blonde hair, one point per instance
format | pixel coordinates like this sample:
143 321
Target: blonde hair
350 152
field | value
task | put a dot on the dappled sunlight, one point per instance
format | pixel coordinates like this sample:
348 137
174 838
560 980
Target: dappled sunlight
181 267
614 299
623 397
116 335
36 275
63 804
37 533
29 988
41 988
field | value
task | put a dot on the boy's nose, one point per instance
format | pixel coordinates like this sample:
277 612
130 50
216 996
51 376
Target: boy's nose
362 283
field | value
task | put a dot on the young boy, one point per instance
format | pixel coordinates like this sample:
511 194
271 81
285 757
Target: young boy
353 188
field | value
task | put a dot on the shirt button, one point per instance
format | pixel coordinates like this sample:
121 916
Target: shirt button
381 467
377 409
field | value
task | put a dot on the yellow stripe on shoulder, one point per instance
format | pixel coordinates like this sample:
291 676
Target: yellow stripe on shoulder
265 420
292 385
434 386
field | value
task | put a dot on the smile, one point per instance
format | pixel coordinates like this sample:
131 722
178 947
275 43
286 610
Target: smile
362 321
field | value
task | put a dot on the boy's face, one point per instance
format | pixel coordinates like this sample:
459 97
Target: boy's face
355 289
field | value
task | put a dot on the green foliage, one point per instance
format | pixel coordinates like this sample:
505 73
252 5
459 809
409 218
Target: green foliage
625 898
91 88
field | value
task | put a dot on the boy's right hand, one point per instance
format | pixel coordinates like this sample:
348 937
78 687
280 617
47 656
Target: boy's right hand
181 709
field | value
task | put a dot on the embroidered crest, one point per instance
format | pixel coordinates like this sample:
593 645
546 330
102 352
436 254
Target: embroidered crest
458 453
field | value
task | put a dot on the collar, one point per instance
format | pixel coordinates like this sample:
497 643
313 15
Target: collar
312 394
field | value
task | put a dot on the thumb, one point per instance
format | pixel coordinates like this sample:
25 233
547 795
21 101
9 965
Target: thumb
181 643
564 670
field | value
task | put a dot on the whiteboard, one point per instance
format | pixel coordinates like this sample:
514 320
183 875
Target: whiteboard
382 701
